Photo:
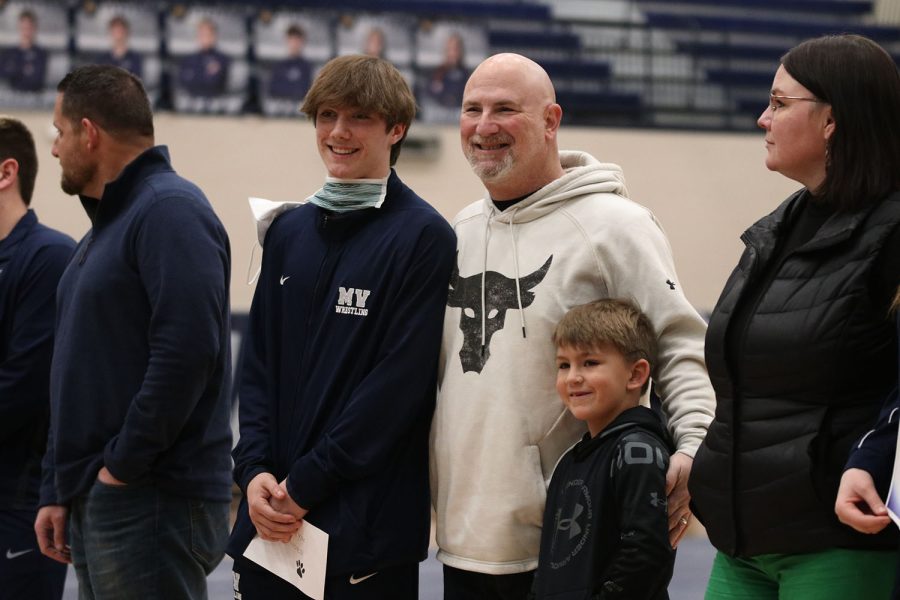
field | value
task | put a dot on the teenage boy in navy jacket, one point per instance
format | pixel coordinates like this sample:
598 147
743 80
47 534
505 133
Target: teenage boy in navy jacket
338 381
32 257
137 459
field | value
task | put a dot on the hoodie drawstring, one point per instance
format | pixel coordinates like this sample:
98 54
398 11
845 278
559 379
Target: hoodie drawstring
512 235
487 235
515 253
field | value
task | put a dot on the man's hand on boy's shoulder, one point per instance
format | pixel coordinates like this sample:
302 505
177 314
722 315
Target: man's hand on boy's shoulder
678 496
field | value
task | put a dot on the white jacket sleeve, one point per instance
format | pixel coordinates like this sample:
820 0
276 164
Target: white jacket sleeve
635 260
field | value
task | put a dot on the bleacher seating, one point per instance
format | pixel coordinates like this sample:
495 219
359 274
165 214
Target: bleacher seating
52 38
710 63
670 63
92 43
806 28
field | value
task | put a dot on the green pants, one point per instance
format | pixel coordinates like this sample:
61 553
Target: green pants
834 574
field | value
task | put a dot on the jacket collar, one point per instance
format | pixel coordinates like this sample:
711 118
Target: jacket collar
637 416
18 233
583 175
839 227
266 211
118 194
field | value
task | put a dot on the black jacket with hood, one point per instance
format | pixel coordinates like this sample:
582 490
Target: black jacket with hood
606 531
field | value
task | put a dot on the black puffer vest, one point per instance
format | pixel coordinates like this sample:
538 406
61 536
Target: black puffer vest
819 359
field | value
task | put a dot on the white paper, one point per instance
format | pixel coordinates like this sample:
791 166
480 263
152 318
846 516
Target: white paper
301 561
893 498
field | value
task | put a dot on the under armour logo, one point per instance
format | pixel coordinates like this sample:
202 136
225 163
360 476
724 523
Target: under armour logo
571 525
671 284
300 569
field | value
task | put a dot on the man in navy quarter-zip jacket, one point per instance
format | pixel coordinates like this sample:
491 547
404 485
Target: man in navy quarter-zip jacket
338 381
32 257
137 460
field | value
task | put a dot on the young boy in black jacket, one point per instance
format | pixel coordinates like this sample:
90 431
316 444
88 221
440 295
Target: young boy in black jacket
605 532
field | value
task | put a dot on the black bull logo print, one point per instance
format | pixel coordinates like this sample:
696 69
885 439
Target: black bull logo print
499 296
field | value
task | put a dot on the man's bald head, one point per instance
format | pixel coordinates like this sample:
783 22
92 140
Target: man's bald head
511 69
509 124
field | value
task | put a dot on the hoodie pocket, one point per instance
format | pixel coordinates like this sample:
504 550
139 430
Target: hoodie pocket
533 495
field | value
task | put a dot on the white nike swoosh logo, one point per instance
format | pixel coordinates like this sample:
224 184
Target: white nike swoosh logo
355 580
283 279
11 555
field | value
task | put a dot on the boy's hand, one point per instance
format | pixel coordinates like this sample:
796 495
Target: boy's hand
273 525
679 498
50 529
287 505
858 504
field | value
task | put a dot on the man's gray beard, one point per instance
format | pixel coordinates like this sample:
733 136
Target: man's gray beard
492 171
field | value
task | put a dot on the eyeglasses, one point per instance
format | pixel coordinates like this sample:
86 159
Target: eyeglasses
773 97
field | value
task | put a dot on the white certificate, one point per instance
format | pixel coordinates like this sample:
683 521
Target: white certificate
893 497
300 562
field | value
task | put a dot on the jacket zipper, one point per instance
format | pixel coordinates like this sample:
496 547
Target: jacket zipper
301 377
738 399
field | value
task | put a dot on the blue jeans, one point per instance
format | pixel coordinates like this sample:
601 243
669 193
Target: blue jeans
137 542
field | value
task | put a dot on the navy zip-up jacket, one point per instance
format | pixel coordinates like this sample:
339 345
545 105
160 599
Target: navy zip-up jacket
139 380
339 375
32 258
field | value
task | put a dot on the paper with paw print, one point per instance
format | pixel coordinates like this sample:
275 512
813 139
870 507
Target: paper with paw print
300 562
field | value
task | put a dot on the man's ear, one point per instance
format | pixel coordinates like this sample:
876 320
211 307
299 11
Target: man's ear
552 118
91 133
640 373
9 174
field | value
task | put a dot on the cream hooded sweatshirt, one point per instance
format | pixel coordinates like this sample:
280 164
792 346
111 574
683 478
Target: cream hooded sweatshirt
499 427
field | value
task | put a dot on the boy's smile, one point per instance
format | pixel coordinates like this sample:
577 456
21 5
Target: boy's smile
598 384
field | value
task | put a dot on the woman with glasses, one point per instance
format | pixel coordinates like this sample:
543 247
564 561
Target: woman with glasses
800 349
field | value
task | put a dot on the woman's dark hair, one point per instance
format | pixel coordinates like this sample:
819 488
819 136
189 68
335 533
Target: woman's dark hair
861 83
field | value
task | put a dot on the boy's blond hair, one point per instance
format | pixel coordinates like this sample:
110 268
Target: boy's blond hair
613 321
367 83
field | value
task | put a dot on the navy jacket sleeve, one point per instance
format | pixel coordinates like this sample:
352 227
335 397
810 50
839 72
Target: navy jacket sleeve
184 262
252 454
397 390
642 563
875 450
26 366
